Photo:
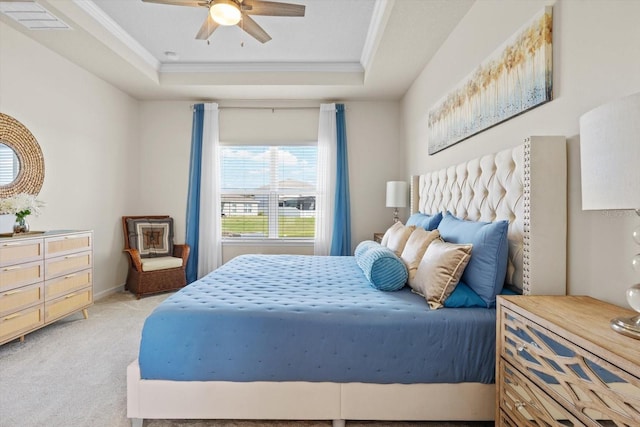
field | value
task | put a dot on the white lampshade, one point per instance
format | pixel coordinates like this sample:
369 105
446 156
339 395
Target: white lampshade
610 155
225 12
396 194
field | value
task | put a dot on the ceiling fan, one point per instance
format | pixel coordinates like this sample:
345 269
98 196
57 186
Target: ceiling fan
236 12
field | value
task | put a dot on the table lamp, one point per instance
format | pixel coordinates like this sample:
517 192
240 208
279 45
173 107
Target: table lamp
396 197
610 161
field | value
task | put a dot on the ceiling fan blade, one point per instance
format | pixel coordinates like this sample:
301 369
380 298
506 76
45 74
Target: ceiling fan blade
253 29
207 28
192 3
270 8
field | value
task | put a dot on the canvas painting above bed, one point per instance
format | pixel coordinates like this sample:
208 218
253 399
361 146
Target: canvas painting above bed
516 77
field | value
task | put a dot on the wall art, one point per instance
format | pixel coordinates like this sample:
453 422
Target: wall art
515 78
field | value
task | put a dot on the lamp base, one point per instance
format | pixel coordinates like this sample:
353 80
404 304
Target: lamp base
629 326
396 218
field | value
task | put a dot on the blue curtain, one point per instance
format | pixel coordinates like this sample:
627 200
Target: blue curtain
193 197
341 239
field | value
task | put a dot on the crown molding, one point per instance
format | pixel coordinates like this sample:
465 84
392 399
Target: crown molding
380 17
263 67
118 32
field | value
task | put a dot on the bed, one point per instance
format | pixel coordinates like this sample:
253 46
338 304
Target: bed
345 376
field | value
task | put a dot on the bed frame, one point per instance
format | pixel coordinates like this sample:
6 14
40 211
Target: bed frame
525 185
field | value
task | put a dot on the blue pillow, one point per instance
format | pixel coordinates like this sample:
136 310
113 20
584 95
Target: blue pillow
463 296
364 246
428 222
487 268
382 267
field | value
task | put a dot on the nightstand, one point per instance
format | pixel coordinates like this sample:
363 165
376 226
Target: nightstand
559 363
377 237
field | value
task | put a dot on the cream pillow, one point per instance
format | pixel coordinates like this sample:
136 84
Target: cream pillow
440 270
415 248
396 237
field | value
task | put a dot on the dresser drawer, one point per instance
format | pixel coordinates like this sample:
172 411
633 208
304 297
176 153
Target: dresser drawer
505 421
67 304
68 244
16 324
527 404
63 265
65 284
14 276
20 298
16 252
599 391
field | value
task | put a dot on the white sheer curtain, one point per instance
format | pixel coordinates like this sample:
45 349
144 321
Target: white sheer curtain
210 232
325 199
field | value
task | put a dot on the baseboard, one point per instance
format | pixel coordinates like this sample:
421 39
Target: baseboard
107 292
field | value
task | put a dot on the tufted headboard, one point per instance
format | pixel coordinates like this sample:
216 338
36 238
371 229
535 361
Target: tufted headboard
526 185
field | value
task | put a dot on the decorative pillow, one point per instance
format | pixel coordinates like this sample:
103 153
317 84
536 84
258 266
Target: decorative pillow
382 268
463 296
364 246
151 237
396 237
487 268
415 248
428 222
440 270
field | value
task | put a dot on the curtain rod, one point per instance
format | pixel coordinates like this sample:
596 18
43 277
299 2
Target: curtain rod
263 108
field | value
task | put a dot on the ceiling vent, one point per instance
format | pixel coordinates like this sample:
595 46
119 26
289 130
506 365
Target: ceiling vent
32 15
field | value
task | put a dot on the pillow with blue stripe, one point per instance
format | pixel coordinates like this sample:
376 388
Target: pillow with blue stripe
381 266
364 246
487 269
428 222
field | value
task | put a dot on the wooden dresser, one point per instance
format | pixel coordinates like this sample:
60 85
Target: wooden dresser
559 363
43 277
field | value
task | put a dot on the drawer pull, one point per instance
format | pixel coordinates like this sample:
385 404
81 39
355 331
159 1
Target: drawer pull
17 291
13 316
521 348
70 256
69 276
15 267
520 405
11 244
69 296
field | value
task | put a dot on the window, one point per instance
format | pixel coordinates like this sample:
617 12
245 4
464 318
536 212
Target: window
9 165
268 191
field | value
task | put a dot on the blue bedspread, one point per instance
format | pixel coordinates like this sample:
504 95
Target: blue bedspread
308 318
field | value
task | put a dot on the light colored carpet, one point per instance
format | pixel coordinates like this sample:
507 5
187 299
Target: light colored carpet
73 373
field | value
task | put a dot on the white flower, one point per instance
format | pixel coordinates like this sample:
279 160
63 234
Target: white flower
21 205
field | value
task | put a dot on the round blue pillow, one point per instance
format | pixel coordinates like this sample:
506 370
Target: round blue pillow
382 267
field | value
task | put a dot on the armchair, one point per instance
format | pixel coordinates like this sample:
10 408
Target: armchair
156 264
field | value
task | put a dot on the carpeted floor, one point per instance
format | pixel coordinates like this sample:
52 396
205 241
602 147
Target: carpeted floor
73 373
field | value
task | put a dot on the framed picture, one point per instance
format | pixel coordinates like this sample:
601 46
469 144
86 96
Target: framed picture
515 78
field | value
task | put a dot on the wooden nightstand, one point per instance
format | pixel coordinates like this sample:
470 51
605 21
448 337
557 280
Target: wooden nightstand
377 237
559 363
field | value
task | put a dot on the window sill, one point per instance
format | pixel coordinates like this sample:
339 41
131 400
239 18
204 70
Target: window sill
267 242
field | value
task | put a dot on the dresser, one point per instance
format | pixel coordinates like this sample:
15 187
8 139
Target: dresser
559 363
43 278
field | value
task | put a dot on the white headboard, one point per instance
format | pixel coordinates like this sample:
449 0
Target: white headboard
526 185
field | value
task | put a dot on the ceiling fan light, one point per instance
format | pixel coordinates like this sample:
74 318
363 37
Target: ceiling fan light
225 12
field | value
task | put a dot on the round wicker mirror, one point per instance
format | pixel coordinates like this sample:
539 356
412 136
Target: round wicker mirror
30 175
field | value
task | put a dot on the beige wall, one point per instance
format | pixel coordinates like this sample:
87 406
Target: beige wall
108 155
88 132
596 59
373 148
